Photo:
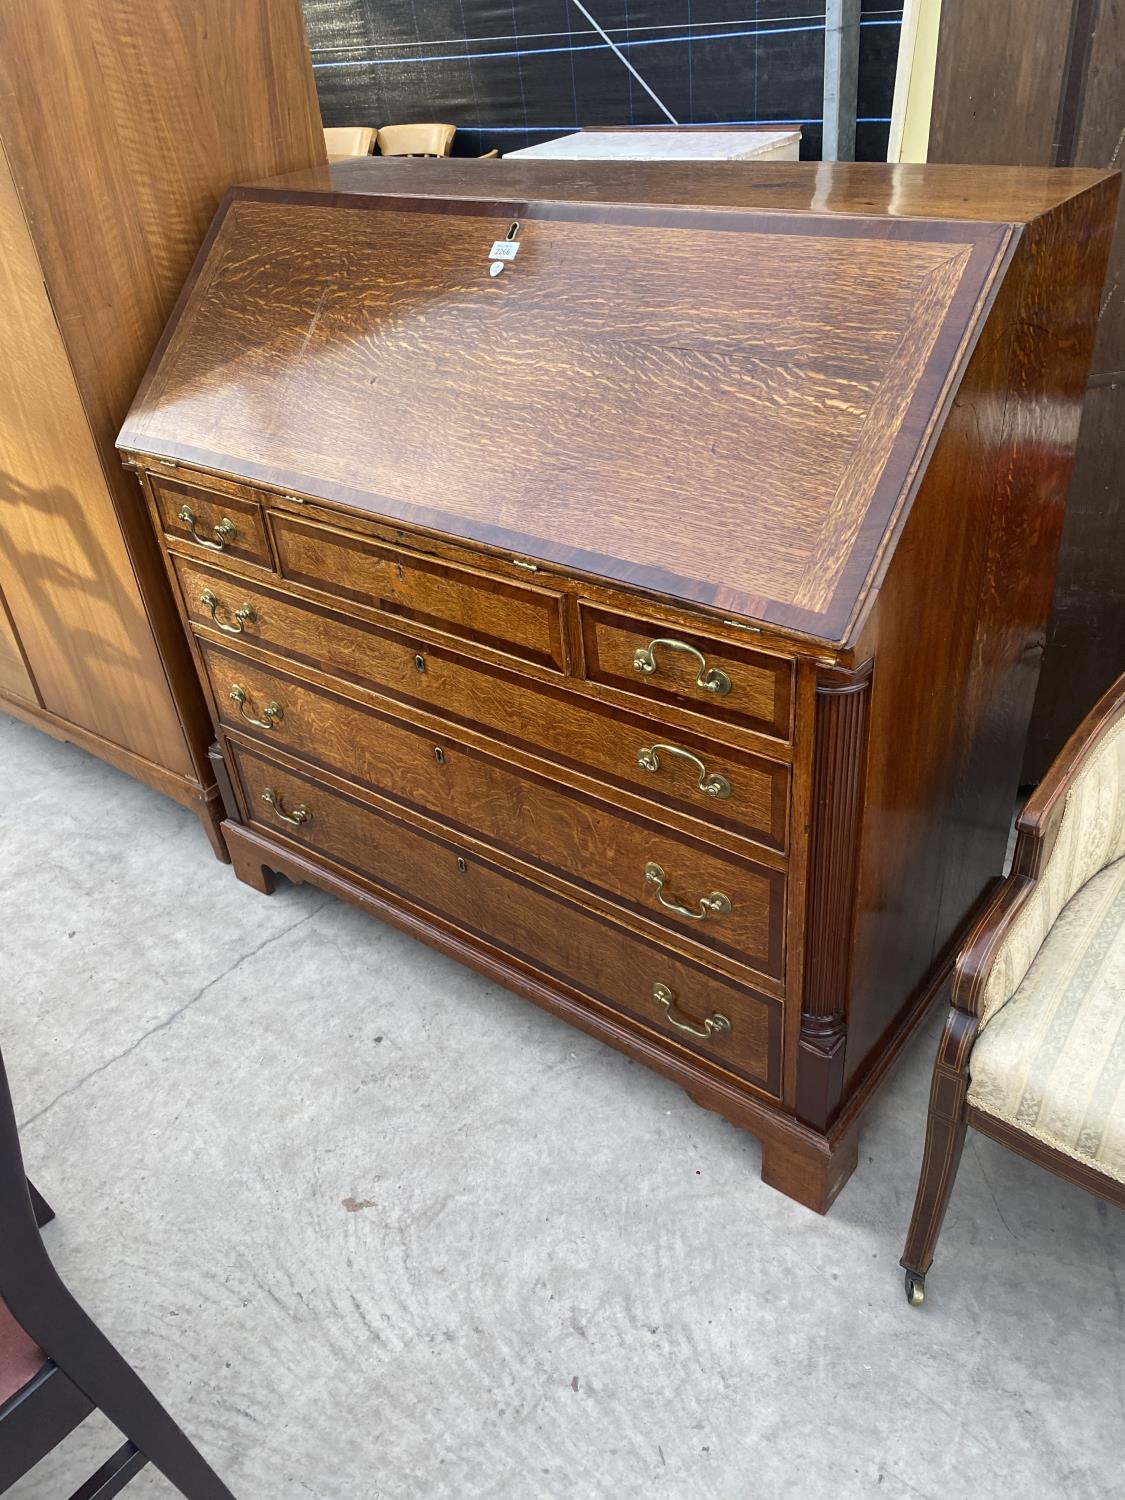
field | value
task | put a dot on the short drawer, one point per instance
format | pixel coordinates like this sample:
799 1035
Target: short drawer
521 619
730 1024
207 521
701 896
746 793
661 664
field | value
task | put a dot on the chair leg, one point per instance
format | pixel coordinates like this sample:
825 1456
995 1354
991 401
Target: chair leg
107 1379
41 1303
945 1138
135 1410
43 1211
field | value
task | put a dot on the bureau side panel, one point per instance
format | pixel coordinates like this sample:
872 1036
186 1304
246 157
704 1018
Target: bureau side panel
957 630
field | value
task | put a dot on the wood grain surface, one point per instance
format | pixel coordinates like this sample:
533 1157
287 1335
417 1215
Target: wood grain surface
1003 194
1038 82
64 566
15 677
125 123
842 703
957 632
461 601
358 354
223 525
1000 67
122 123
1086 634
583 839
760 694
547 935
570 734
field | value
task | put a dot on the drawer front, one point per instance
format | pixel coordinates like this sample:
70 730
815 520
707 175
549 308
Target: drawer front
662 664
722 903
521 619
727 1023
745 793
212 523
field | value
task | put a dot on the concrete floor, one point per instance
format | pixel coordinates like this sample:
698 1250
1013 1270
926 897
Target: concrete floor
375 1229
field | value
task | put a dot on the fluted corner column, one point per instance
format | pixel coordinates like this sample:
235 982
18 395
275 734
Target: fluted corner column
839 761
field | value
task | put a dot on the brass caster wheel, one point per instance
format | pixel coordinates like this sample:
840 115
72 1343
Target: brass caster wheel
915 1288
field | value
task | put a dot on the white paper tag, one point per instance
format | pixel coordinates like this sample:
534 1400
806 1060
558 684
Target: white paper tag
504 250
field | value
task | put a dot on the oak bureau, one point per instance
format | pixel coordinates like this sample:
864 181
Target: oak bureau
632 581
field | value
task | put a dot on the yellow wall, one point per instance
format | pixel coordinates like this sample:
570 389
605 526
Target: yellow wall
914 89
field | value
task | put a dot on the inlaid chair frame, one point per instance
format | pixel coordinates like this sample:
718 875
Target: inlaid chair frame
70 1368
1070 830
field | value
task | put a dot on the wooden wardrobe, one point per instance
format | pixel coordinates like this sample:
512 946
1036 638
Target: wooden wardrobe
122 123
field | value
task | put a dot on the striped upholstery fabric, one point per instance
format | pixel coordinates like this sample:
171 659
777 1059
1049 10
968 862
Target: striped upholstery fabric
1091 836
1052 1062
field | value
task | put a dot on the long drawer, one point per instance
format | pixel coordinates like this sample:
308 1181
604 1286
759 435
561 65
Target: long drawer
728 1023
748 794
701 895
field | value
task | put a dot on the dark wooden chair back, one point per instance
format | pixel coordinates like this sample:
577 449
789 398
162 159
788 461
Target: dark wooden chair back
56 1366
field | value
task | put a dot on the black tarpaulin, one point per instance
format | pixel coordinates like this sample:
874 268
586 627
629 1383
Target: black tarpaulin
509 73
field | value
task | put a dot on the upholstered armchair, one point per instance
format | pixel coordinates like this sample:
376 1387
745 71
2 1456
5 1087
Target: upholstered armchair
1033 1052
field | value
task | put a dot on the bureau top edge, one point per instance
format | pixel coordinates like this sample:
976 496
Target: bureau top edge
988 194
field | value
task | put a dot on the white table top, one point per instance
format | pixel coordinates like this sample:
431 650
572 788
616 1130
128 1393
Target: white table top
683 144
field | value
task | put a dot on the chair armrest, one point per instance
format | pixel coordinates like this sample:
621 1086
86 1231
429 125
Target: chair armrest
1072 826
975 962
1038 824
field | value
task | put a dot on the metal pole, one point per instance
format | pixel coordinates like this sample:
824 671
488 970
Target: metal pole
841 78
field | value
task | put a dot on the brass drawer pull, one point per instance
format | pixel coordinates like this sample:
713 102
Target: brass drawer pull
299 815
242 617
223 533
713 905
710 782
270 714
708 1027
710 679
